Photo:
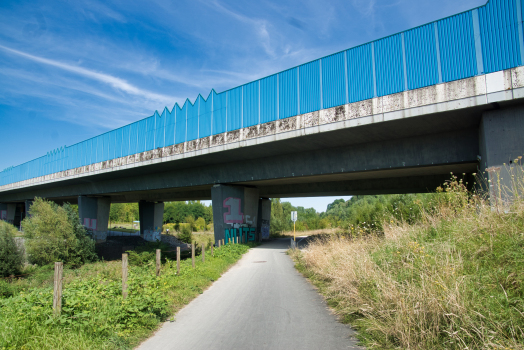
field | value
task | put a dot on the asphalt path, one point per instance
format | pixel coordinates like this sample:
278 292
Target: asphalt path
260 303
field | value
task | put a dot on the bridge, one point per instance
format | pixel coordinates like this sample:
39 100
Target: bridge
395 115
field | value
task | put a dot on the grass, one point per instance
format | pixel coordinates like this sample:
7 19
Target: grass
453 281
94 314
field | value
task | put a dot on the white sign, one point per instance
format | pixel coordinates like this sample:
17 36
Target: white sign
293 216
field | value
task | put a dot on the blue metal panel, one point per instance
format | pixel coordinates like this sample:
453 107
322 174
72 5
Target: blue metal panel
287 93
333 81
109 149
180 127
219 112
170 127
309 87
360 73
160 128
89 152
142 135
457 47
234 109
251 104
117 142
421 56
204 117
268 99
150 132
192 119
389 65
125 140
499 34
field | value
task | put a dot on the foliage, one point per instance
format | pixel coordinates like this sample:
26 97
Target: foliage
94 315
10 255
123 212
177 212
446 278
54 233
185 234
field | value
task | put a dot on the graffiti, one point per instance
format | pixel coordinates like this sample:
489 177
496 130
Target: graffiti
234 213
246 234
264 228
90 223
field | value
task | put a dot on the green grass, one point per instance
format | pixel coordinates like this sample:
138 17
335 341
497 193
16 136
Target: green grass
94 314
453 281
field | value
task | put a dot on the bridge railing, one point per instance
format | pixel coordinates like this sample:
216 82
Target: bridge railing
479 41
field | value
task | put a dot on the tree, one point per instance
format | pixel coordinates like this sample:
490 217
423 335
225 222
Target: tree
54 233
10 255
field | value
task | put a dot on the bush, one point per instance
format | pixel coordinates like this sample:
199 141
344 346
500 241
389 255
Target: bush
10 254
185 234
55 234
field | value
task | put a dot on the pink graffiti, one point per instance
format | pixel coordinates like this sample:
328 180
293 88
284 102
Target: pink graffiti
233 215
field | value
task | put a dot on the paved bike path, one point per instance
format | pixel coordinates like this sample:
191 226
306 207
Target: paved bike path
260 303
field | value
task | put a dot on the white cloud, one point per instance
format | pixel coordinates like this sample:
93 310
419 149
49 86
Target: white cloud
116 83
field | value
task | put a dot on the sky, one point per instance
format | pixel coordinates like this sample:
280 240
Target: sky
71 70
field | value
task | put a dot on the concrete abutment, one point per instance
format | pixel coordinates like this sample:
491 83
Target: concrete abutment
151 216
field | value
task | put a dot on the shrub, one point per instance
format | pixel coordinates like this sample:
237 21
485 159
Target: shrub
200 224
55 234
10 254
185 234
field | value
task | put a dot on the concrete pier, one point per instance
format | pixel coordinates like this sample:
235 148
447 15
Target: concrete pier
94 215
151 216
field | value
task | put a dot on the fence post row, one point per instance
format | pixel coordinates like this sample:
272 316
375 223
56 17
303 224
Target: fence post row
193 253
178 260
57 292
124 275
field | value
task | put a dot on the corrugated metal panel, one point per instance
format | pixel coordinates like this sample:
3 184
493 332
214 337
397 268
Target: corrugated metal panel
234 109
192 119
117 142
125 140
89 152
160 128
389 65
333 81
309 87
204 118
360 73
421 56
108 147
180 127
250 104
134 138
170 127
98 147
268 99
499 34
457 47
287 93
150 132
219 112
142 135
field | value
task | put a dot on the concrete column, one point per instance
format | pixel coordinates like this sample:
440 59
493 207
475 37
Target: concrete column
94 215
235 212
151 216
3 211
501 142
264 218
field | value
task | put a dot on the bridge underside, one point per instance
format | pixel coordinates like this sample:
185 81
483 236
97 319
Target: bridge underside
400 156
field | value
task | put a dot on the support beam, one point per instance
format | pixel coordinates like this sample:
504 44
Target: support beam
151 219
501 142
235 212
94 215
264 217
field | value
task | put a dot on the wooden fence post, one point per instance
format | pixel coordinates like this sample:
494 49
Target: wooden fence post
193 253
212 253
57 295
219 242
178 260
222 241
124 275
203 252
158 262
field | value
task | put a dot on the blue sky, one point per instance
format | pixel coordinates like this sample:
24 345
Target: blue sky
70 70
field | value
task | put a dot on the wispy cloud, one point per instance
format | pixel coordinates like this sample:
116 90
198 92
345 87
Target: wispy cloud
115 82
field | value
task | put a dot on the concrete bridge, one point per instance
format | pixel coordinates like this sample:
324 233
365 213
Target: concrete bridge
396 115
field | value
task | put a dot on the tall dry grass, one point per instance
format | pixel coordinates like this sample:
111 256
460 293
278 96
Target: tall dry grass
453 281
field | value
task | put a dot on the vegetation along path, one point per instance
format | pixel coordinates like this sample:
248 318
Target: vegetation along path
260 303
